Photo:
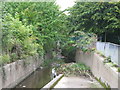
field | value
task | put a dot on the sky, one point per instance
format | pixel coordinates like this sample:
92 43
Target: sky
64 4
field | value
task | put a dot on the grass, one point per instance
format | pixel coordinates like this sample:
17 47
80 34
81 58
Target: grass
106 86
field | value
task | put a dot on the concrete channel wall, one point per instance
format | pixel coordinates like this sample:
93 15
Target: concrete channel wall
110 49
13 73
107 73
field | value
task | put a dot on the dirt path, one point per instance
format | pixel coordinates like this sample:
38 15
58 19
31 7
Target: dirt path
77 82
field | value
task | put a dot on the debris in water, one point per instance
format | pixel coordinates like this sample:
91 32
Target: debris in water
54 74
24 86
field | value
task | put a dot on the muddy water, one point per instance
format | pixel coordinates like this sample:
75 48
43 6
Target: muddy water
37 79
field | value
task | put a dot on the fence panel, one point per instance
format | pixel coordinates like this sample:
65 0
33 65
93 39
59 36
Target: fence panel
110 49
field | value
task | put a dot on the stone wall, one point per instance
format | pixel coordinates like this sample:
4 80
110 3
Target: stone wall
13 73
107 73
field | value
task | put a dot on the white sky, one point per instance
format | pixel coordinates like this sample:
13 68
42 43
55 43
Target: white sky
64 4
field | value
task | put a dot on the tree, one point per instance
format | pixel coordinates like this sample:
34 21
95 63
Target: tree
32 27
101 18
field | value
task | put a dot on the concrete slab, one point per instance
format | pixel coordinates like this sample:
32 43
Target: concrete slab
77 82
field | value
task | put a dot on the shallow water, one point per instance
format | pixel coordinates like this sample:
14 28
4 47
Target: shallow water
37 79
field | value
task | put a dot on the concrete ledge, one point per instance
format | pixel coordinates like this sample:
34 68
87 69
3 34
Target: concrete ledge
52 83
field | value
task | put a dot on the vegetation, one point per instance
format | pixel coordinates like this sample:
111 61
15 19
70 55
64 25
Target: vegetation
119 69
101 54
107 60
89 20
101 18
74 69
106 86
69 53
31 28
78 40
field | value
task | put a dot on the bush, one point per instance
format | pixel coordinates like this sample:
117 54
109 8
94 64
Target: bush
6 59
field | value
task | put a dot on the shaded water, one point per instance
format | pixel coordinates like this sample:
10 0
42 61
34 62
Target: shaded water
37 79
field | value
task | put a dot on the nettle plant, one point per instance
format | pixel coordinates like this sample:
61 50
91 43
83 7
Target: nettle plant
85 41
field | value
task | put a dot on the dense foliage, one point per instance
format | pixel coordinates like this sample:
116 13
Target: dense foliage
78 40
30 28
102 18
88 19
18 38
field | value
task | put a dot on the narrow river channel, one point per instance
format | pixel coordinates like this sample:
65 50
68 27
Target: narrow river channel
37 79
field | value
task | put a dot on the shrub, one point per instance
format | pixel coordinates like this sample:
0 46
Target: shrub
6 58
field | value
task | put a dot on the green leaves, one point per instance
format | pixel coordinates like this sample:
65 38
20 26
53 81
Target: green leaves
96 17
32 27
17 38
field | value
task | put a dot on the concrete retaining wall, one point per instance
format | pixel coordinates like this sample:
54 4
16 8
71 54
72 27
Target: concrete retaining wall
13 73
107 73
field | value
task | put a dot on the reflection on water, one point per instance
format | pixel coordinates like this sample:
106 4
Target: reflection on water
37 79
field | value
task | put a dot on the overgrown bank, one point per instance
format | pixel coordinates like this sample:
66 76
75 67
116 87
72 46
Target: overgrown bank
30 28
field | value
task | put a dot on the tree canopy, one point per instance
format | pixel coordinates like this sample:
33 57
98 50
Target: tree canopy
30 28
97 17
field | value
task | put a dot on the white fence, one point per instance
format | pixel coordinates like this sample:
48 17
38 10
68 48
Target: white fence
110 49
